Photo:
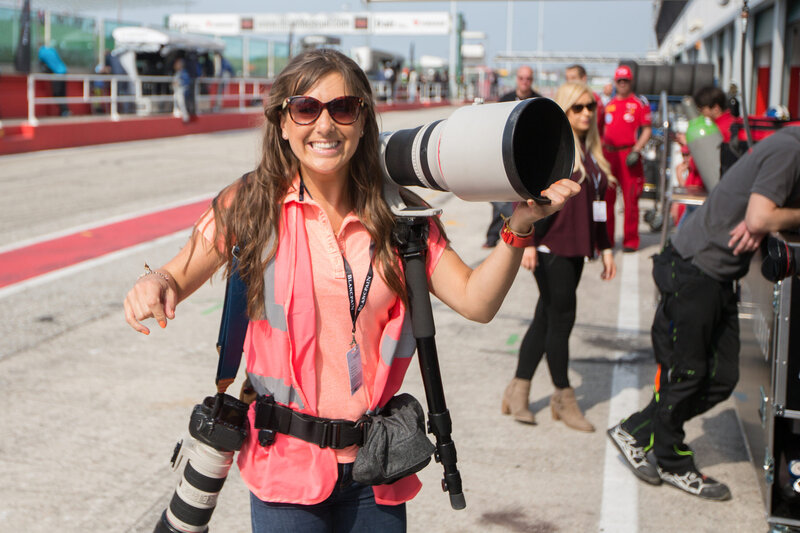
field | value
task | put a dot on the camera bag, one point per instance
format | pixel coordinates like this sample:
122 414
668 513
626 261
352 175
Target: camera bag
396 445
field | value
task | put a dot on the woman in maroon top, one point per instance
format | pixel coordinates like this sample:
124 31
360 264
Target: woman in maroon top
563 241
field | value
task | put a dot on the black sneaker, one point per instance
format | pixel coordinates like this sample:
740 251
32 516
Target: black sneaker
697 484
635 457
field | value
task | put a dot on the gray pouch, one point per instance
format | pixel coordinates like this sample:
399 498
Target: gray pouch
396 445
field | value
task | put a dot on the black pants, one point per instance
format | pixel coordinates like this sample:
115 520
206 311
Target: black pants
498 208
557 278
59 88
696 343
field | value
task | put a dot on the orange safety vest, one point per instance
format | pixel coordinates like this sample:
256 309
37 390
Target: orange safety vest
292 470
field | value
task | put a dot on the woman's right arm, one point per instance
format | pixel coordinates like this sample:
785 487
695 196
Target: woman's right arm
156 295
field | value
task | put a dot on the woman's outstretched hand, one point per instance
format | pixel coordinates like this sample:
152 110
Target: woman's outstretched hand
529 212
152 296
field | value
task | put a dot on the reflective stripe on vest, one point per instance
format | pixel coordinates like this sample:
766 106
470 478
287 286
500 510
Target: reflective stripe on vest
401 348
273 311
275 387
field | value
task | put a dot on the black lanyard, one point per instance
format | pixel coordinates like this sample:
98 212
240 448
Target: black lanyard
351 289
351 292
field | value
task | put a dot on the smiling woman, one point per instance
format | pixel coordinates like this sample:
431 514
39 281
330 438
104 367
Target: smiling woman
311 226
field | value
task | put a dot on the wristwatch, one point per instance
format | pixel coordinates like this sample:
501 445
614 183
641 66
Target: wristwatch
517 240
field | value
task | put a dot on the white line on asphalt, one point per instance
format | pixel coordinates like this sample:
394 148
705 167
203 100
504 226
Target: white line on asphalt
86 265
105 222
620 507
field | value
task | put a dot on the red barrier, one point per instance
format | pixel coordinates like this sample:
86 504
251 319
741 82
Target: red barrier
68 133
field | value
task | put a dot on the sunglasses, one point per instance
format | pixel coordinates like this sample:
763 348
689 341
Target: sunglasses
304 110
578 108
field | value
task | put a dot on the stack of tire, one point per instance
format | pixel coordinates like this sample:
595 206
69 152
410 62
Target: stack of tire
680 79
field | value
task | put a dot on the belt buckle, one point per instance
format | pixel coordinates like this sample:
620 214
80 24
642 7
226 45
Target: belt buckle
363 424
331 434
264 404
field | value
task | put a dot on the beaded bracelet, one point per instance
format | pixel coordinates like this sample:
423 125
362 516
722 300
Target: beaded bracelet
147 272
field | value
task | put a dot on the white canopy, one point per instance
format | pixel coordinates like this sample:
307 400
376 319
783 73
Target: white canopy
141 39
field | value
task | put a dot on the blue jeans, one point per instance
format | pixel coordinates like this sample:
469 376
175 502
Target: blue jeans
350 508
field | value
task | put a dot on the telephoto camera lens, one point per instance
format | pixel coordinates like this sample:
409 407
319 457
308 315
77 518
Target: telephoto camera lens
217 430
506 151
195 497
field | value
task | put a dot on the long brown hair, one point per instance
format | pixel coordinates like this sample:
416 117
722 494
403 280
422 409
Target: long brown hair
248 211
566 96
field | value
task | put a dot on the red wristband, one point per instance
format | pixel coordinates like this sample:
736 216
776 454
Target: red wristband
515 239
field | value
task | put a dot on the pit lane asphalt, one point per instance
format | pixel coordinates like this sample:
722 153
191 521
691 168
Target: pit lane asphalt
93 409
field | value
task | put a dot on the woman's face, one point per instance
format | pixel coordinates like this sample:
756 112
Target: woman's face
324 147
580 116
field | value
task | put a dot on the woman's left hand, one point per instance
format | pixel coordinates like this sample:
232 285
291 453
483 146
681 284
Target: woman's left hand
609 267
527 213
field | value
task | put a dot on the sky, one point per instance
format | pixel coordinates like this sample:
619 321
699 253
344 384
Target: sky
597 26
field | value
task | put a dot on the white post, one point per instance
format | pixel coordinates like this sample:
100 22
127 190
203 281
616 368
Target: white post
749 45
540 40
509 31
32 101
246 56
738 68
727 50
776 63
114 103
47 27
270 59
451 69
101 42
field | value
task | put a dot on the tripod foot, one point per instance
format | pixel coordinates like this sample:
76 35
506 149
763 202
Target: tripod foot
457 501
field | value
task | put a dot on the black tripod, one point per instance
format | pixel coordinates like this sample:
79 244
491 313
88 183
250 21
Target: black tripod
411 237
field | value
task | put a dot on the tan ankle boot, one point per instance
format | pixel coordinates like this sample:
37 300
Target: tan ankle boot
564 407
515 401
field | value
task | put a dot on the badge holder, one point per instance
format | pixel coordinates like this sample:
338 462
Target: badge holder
411 238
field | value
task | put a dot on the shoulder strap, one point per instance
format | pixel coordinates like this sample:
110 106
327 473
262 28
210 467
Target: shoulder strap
232 328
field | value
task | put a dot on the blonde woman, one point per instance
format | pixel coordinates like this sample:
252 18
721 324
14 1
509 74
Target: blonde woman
561 243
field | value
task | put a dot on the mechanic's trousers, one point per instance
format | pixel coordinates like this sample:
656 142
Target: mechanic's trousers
696 343
631 181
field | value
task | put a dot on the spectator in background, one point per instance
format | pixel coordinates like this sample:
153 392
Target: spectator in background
564 241
226 72
181 86
100 89
124 88
733 101
413 80
52 64
626 132
500 210
524 87
577 74
712 103
608 93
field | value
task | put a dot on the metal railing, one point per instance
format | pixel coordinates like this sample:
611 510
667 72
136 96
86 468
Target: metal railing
115 95
147 95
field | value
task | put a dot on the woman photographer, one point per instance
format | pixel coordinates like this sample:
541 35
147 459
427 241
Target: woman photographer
563 241
314 235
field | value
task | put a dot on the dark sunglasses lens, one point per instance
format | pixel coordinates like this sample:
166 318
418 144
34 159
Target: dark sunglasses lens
305 110
344 110
578 108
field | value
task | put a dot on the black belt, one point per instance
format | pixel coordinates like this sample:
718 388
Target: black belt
274 418
612 148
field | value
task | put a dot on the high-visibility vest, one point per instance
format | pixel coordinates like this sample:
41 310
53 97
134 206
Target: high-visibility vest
291 470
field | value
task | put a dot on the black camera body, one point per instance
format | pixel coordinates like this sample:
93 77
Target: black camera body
220 422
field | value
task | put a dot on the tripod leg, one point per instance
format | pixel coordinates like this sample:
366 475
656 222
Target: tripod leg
439 422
